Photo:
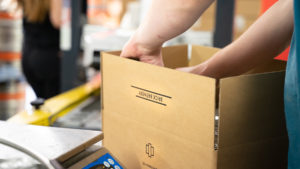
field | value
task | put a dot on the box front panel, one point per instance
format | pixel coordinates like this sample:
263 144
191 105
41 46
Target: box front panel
150 105
141 146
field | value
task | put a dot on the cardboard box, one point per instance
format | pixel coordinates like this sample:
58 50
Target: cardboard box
159 118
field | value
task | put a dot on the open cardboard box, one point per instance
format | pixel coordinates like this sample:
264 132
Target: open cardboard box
159 118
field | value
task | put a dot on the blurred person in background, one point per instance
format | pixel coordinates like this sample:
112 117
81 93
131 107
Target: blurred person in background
264 40
40 53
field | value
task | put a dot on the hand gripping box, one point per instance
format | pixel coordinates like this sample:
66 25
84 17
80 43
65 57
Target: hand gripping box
160 118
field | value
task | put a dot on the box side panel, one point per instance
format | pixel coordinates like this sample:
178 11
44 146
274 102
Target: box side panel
164 101
175 56
266 154
201 54
251 109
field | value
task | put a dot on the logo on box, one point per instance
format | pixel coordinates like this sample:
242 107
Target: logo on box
150 150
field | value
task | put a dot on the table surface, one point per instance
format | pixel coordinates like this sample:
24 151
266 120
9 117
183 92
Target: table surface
51 142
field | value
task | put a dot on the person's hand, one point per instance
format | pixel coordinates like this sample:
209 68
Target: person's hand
142 52
198 69
186 69
205 69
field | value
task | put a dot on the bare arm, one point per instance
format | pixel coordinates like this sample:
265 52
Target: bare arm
164 20
264 40
55 12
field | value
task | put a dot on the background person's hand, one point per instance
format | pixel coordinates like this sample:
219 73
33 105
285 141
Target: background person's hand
142 53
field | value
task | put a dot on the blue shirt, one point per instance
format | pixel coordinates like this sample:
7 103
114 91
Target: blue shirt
292 93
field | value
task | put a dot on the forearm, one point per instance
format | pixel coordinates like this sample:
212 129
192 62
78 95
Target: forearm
167 19
55 12
265 39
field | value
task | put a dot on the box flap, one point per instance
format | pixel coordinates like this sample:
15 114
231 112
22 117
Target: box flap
175 56
251 109
201 54
270 66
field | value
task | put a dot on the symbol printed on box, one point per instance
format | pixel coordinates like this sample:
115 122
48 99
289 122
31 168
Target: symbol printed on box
149 150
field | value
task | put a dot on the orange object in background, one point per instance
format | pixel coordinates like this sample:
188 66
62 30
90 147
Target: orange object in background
11 36
265 5
105 12
10 56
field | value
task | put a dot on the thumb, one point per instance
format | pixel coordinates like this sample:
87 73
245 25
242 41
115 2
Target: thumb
125 55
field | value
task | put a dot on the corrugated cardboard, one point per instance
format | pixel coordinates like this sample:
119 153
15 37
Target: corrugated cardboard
156 117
